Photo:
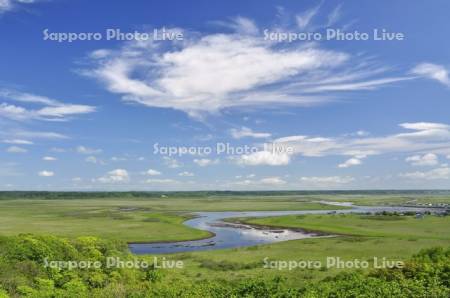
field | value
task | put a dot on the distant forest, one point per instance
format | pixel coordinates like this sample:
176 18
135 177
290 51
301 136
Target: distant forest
48 195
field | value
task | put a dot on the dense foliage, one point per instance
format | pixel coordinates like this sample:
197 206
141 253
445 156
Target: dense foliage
23 274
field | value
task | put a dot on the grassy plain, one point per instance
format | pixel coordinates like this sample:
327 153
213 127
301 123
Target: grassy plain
130 220
361 237
160 219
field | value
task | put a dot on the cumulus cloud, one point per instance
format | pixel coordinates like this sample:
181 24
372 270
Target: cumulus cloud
264 158
350 163
115 176
253 72
49 158
433 71
152 172
52 110
245 132
46 174
429 159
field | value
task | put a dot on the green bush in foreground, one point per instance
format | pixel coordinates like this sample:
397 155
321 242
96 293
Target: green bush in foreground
23 274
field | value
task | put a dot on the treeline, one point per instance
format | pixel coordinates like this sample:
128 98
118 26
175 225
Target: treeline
51 195
23 274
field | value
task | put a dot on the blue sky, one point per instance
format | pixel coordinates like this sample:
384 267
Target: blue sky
343 114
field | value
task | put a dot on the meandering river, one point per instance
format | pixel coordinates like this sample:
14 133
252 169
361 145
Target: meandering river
227 235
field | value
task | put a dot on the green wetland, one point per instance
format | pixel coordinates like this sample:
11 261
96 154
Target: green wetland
35 227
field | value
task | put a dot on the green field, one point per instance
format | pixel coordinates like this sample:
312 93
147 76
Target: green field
156 219
132 220
385 226
360 237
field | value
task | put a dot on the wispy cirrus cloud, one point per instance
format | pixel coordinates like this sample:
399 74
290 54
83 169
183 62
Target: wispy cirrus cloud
87 150
16 149
52 110
208 73
9 5
433 71
304 19
245 132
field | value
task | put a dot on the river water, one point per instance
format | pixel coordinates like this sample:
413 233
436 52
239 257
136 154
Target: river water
228 235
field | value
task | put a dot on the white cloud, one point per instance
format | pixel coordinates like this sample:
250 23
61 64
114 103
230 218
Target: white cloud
16 149
52 110
433 71
241 25
268 181
350 163
419 137
325 181
304 19
186 174
91 159
203 162
171 162
152 172
46 174
8 5
5 5
428 159
118 159
245 132
264 158
273 181
334 16
18 142
362 133
252 72
86 150
39 135
424 126
49 158
77 179
115 176
435 174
